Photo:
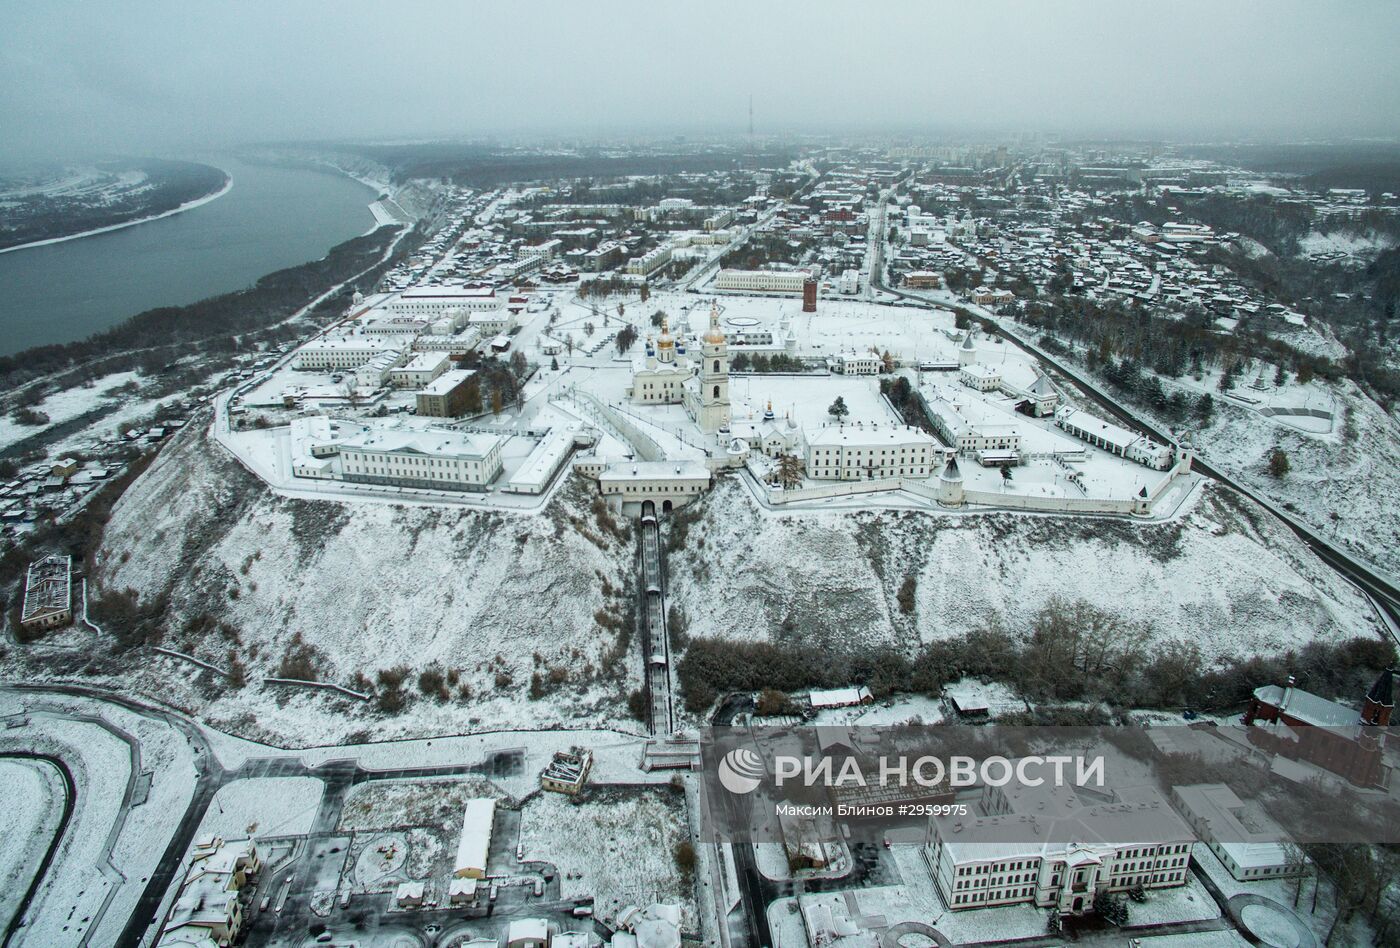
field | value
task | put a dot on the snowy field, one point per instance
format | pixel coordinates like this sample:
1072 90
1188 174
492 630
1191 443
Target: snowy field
837 326
66 405
1363 246
263 807
396 804
1338 481
904 709
617 845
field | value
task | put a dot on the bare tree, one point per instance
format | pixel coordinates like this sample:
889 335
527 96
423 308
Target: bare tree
1296 864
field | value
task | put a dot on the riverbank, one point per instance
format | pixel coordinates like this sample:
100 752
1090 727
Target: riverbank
270 219
187 206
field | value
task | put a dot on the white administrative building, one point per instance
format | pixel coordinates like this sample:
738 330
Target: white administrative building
433 458
440 300
865 452
1043 846
779 281
669 483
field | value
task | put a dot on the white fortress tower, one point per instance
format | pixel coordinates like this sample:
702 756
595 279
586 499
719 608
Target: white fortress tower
950 484
712 412
967 352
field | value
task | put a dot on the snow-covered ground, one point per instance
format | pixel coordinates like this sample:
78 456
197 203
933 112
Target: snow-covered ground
617 845
107 843
1339 481
1279 890
263 807
33 806
395 804
65 405
1222 575
1350 243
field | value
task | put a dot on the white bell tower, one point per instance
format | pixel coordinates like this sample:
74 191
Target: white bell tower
714 376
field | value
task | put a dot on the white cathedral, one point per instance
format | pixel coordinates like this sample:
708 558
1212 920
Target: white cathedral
669 375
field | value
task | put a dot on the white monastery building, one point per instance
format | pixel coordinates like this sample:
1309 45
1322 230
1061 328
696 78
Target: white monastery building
349 352
1113 439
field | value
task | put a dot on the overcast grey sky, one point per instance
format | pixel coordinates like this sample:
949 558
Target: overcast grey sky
159 76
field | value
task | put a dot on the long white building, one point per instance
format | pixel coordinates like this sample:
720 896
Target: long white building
474 845
864 452
440 300
433 458
779 281
1113 439
345 352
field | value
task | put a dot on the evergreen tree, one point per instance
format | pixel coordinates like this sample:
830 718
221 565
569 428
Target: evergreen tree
1205 407
1111 908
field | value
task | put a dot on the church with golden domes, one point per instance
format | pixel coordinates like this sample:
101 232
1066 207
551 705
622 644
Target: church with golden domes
669 374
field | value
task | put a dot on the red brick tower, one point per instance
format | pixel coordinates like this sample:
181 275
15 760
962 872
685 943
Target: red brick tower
809 295
1380 700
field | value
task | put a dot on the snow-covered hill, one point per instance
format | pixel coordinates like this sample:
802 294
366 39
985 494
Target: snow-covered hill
495 600
490 599
1341 482
1226 575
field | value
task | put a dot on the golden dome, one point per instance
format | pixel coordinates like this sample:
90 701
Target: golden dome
714 335
665 340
